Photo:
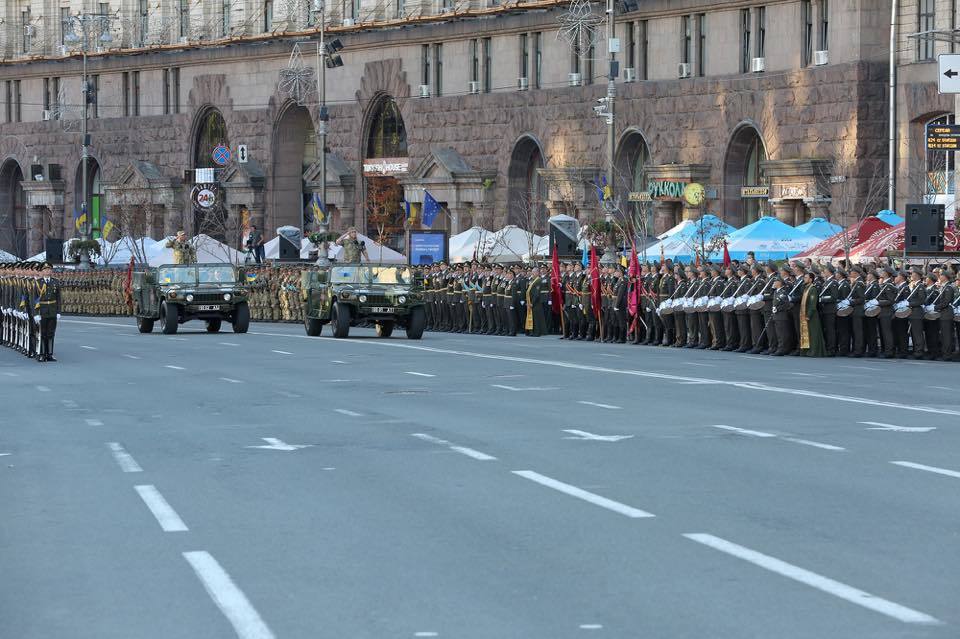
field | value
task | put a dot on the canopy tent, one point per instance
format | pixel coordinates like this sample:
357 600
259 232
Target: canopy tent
375 251
819 227
271 249
120 252
543 248
469 244
509 244
683 245
7 257
676 229
889 217
207 248
891 239
855 234
768 239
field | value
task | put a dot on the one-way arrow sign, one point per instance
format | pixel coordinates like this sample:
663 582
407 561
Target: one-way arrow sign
585 436
276 444
948 65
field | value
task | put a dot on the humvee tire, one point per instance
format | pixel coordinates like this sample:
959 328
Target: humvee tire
384 329
416 323
340 320
169 315
241 318
144 325
313 325
213 325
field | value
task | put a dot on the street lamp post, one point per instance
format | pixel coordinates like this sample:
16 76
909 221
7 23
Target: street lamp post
77 30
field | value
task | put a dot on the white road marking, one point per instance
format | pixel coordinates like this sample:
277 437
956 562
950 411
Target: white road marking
426 634
337 361
126 461
93 422
580 493
590 626
89 348
812 579
584 435
176 368
525 388
944 388
929 469
898 429
337 380
742 431
130 356
608 355
861 368
9 374
167 517
282 352
698 383
228 344
348 413
229 598
277 444
699 364
5 454
68 403
762 359
419 374
288 394
43 389
506 376
598 405
807 374
463 450
807 442
179 339
231 380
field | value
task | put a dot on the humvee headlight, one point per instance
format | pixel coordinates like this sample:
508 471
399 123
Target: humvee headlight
189 298
227 296
402 300
363 298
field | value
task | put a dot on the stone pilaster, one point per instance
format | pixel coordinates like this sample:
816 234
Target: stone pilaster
664 217
35 229
784 210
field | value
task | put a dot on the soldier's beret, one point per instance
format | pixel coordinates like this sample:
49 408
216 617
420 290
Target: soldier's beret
842 272
931 276
889 271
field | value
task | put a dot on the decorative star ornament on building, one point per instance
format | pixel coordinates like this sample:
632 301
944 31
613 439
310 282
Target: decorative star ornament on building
297 79
578 25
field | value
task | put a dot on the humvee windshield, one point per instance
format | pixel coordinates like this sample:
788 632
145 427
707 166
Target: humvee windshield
214 274
348 274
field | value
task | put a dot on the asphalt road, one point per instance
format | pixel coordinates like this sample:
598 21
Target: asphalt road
273 485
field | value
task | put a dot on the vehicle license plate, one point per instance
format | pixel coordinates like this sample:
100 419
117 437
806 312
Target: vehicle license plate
209 307
383 309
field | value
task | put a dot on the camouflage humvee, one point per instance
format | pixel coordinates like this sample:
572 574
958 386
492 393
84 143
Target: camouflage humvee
174 294
347 294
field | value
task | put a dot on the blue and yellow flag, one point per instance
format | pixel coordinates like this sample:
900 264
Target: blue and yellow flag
107 229
317 210
251 276
81 219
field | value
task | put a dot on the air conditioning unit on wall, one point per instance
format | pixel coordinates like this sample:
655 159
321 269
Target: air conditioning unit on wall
758 65
629 74
821 58
424 90
474 87
683 70
574 79
523 84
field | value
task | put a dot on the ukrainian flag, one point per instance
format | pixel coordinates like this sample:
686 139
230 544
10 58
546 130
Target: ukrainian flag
251 276
317 210
81 220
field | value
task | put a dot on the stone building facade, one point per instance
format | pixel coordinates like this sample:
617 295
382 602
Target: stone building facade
480 104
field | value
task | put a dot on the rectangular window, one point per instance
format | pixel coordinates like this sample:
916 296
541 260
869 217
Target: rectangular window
631 44
701 44
537 59
46 94
267 16
644 39
524 55
225 17
487 65
17 102
55 95
824 38
175 88
103 8
761 32
745 40
686 54
806 20
94 96
475 61
184 18
166 91
144 15
135 80
8 101
125 91
575 55
438 69
591 54
64 24
425 64
27 29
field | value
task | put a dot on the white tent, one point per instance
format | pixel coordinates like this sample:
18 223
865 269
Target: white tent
207 248
542 248
679 227
510 244
271 249
376 252
120 252
7 257
469 244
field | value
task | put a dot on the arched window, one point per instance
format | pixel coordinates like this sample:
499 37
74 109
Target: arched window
388 137
211 133
939 170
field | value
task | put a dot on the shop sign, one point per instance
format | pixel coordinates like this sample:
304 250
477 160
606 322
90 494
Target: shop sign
748 192
385 166
793 191
639 196
666 189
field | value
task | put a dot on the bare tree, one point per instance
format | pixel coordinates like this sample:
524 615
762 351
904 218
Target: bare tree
856 194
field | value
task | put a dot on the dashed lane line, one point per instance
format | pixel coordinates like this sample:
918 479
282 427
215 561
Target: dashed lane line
231 380
43 389
231 601
463 450
282 352
93 422
128 356
742 431
579 493
419 374
124 459
164 513
599 405
89 348
929 469
176 368
762 434
348 413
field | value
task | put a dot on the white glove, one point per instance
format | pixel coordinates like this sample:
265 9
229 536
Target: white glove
549 303
615 308
36 318
511 308
523 303
580 306
58 315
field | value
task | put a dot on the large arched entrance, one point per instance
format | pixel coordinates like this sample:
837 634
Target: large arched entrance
13 216
632 161
211 132
742 167
94 194
525 189
386 157
294 150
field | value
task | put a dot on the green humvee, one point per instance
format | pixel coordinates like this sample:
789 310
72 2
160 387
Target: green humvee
178 293
347 294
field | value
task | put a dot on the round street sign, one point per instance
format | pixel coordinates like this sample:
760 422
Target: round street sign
221 155
206 198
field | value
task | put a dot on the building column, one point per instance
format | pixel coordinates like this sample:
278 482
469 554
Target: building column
783 210
35 229
691 212
56 222
664 217
819 209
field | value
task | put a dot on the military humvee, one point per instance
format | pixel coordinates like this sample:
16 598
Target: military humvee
178 293
347 294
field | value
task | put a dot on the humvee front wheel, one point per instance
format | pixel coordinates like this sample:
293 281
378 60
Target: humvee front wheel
144 325
241 318
213 325
169 315
384 329
340 320
416 323
313 325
